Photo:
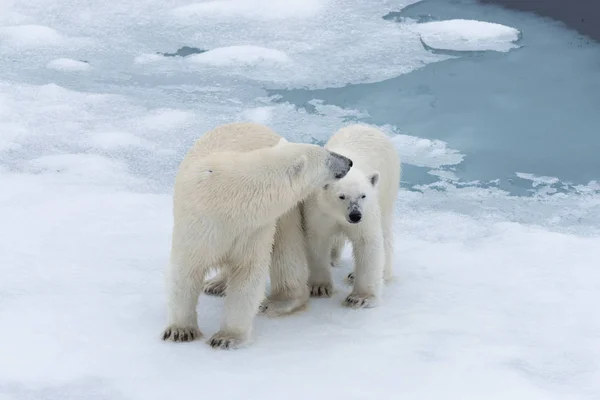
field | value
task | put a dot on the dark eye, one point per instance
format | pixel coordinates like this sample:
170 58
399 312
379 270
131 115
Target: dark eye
363 196
342 197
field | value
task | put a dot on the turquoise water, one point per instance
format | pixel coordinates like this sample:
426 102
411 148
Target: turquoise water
535 109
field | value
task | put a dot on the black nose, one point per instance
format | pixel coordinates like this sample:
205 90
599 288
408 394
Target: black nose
350 163
354 217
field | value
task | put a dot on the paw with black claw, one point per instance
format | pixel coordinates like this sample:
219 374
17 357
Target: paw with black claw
226 341
355 300
350 278
321 290
181 334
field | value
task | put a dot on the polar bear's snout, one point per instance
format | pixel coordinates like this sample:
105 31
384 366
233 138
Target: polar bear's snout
339 164
354 216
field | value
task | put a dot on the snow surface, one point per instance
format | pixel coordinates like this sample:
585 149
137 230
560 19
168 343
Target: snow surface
495 295
30 35
467 35
244 55
67 64
254 9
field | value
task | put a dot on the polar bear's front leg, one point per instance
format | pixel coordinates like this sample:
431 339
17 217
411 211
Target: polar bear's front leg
246 284
337 246
319 252
320 230
369 259
289 268
184 283
319 259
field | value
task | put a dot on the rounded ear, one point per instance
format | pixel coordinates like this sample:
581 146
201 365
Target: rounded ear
374 178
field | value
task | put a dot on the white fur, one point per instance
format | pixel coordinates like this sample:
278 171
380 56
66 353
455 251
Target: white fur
226 205
289 264
375 175
288 269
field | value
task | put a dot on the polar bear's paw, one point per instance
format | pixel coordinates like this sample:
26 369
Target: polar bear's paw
350 278
215 287
356 300
175 333
321 290
225 340
280 307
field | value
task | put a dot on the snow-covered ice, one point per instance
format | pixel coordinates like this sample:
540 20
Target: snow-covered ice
538 180
424 152
495 295
261 115
244 55
348 33
67 64
481 308
30 35
467 35
253 9
230 56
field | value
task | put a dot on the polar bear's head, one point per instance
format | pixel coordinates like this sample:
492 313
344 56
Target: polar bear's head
315 163
348 199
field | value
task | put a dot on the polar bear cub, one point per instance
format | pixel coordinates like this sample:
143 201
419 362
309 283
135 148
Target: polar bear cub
360 207
225 208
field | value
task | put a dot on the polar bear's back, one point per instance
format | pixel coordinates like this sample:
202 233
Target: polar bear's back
234 137
371 150
238 136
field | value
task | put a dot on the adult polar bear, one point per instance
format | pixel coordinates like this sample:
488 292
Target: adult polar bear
361 207
225 206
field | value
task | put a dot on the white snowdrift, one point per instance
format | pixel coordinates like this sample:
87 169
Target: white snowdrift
467 35
68 64
240 55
